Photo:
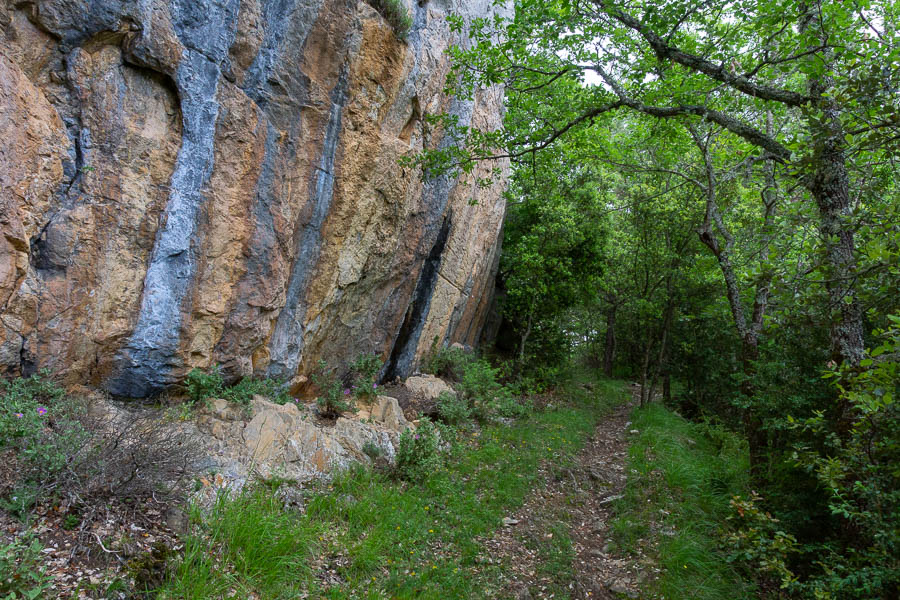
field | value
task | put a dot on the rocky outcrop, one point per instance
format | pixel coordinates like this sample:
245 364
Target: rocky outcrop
288 440
217 182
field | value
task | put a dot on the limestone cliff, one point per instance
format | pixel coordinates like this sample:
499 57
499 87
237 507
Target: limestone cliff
197 182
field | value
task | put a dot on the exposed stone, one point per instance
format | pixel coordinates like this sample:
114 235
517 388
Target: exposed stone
428 388
217 182
285 440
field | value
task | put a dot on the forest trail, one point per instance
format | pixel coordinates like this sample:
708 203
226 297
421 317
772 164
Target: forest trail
577 506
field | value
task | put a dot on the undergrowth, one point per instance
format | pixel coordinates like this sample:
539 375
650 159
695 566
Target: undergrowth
395 13
367 534
682 477
202 385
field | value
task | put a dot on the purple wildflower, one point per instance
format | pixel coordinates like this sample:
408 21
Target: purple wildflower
41 410
19 415
417 436
347 392
374 385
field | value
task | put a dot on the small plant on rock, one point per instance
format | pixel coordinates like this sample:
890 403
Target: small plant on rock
334 398
202 385
365 369
372 450
395 13
419 452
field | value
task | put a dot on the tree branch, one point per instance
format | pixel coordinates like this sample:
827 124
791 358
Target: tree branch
700 65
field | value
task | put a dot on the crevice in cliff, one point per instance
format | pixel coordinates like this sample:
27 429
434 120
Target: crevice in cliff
407 340
411 123
43 257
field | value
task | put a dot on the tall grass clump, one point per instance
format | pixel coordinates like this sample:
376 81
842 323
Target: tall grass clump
682 478
395 13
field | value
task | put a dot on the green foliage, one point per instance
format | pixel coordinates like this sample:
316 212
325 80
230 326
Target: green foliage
480 392
419 452
372 450
395 13
447 363
21 574
364 371
333 398
681 479
202 385
384 537
38 422
453 409
856 460
759 542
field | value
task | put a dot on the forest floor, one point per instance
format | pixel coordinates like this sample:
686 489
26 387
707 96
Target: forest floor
558 544
521 509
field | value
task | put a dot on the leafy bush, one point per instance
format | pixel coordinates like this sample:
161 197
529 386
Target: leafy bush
448 363
364 370
759 542
36 422
419 452
394 12
58 448
21 575
481 394
453 409
202 385
856 462
334 398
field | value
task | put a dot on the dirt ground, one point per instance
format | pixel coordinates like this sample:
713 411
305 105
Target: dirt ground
580 499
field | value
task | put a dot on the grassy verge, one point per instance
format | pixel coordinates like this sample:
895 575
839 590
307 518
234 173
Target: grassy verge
681 477
366 535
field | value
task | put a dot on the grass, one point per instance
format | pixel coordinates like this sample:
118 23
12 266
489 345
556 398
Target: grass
395 13
367 535
681 477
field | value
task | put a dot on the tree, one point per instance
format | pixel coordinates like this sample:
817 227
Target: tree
833 67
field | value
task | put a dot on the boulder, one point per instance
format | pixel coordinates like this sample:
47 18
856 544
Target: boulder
427 388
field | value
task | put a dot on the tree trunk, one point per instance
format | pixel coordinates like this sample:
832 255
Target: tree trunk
661 360
757 438
609 348
525 339
645 367
830 189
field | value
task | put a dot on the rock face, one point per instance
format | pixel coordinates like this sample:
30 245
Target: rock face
286 440
217 182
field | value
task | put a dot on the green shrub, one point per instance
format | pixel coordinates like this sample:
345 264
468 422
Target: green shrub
37 422
759 542
334 398
394 12
447 363
202 385
365 369
419 452
21 575
372 450
453 409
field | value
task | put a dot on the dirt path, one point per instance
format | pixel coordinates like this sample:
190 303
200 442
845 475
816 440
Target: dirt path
578 502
